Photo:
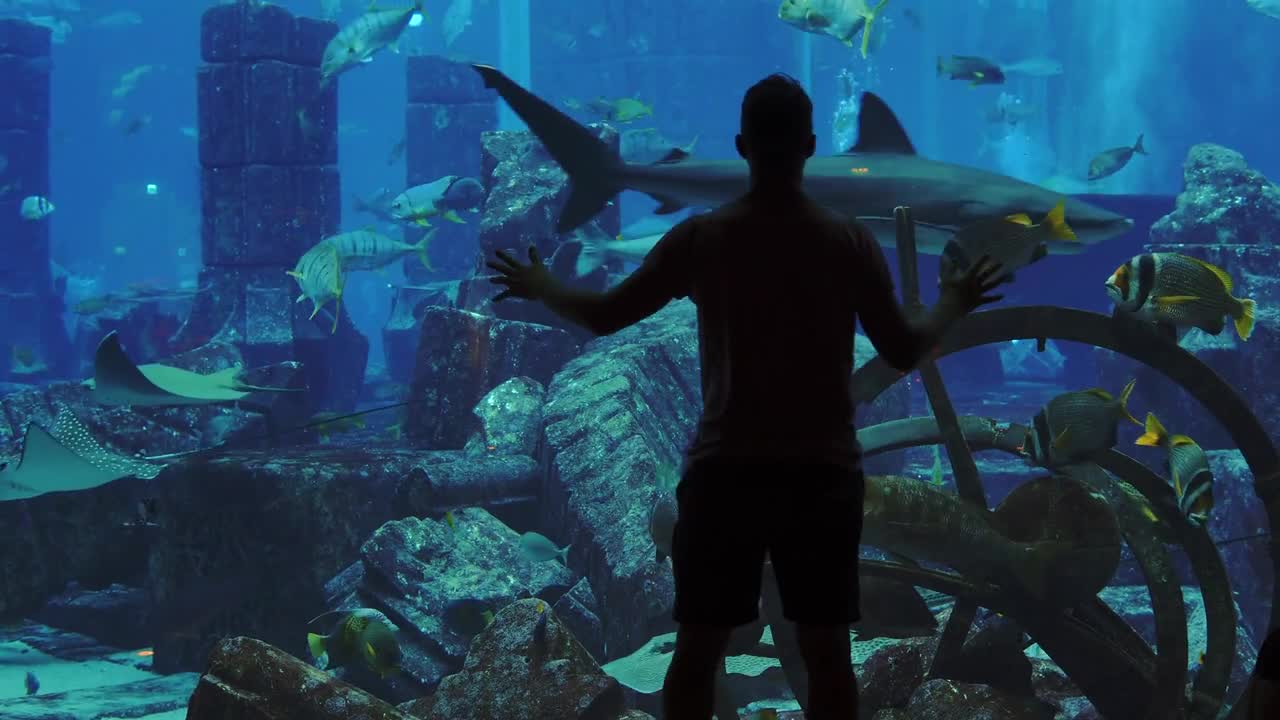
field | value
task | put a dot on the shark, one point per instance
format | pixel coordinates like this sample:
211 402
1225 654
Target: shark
881 172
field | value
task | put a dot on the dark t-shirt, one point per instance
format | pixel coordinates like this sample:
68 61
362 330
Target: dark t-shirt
778 283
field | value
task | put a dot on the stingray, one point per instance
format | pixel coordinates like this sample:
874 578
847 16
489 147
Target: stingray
118 381
64 459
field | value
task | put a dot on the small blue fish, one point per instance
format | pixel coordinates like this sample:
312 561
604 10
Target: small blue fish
33 683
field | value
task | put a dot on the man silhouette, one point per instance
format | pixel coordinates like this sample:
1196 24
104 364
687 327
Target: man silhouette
1261 698
774 466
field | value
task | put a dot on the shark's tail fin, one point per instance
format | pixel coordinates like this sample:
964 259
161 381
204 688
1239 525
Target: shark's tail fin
592 167
1137 146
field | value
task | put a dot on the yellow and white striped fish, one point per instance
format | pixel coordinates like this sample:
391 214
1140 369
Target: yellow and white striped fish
368 250
358 42
319 276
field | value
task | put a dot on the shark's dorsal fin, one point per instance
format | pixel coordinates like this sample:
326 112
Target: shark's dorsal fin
676 155
879 130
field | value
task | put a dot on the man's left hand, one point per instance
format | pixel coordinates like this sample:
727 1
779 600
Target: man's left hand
529 282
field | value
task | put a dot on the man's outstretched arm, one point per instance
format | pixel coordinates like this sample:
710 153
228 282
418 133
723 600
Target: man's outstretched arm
637 297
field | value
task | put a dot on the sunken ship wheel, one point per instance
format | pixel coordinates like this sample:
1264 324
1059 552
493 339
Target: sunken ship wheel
1119 672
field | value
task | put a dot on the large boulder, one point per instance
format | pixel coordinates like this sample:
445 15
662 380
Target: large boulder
436 582
1223 202
247 540
116 615
248 679
526 665
510 418
461 357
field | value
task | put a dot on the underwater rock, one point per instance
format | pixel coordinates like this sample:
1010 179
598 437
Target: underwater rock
627 406
510 419
1228 215
527 191
941 699
264 531
579 611
1223 202
461 356
116 614
889 677
435 582
515 671
1053 686
248 679
454 479
1019 360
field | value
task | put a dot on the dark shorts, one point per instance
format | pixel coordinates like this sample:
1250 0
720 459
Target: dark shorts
807 517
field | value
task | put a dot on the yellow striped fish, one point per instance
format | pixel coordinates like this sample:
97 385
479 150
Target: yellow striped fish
319 276
358 42
368 250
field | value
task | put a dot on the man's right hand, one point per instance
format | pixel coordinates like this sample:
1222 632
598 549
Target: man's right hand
964 292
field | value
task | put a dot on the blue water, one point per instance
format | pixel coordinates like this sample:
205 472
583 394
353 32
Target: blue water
1179 72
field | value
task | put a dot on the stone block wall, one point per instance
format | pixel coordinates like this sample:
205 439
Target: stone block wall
31 308
270 191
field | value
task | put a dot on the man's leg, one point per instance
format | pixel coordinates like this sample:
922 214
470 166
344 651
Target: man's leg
814 550
717 557
833 688
689 690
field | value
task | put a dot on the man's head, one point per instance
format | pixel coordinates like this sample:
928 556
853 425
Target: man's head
777 126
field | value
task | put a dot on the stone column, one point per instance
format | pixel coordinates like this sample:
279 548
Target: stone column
270 191
448 110
30 307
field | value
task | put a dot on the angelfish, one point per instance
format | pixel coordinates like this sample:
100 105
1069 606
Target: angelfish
358 42
1188 469
361 634
1013 242
1075 425
1180 291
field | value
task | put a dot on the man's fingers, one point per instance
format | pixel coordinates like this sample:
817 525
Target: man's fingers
533 255
504 257
502 296
504 281
988 299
